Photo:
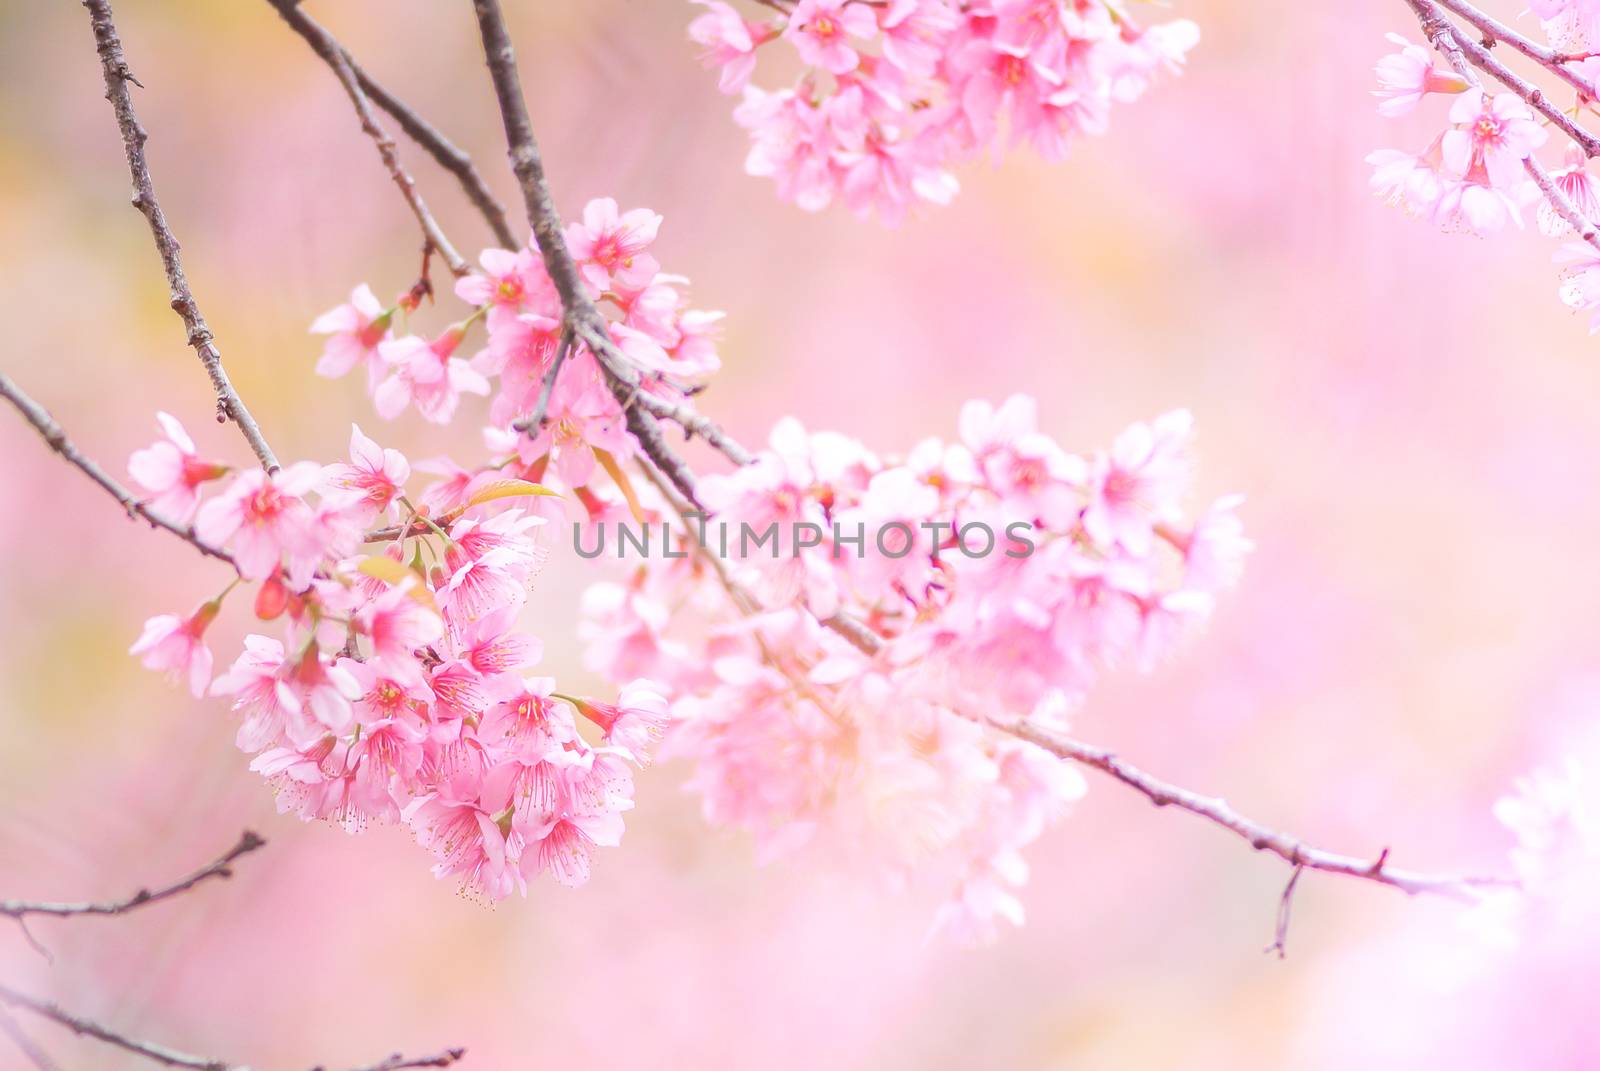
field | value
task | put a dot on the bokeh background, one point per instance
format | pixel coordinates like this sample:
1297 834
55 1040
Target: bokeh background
1411 415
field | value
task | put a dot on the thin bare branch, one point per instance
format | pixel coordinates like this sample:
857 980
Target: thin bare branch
1495 30
28 1047
694 424
150 1050
57 440
1262 838
444 151
397 1062
221 867
114 66
532 424
1280 933
333 54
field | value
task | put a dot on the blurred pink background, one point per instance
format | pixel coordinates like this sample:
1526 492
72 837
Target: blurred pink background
1410 414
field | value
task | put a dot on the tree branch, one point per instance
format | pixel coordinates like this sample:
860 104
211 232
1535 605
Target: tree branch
397 1061
1494 30
57 440
444 151
114 66
1262 838
29 1048
222 867
582 318
1462 54
333 54
89 1028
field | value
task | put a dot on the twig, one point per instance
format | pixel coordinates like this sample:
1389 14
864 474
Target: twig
161 1054
333 54
114 66
1548 58
397 1061
532 424
29 1048
1280 935
694 424
450 157
1262 838
222 867
57 440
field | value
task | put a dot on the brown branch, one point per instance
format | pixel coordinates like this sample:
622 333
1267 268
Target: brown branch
1262 838
28 1047
397 1062
1280 935
57 440
114 66
444 151
160 1054
333 54
1494 30
1462 54
582 318
694 424
222 867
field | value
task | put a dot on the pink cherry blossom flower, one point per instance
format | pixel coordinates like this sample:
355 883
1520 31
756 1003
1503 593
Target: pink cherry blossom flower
914 32
171 471
1405 76
467 842
373 479
582 417
425 374
1580 280
175 645
612 249
1581 188
396 625
354 332
819 31
255 681
562 846
1491 139
634 724
1139 482
267 521
1411 181
511 281
1474 205
729 42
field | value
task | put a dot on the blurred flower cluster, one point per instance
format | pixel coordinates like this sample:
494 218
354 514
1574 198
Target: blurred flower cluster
893 92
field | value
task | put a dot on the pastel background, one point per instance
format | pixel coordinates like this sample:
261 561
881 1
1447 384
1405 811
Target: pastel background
1411 415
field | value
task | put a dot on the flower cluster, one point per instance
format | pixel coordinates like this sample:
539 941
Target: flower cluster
982 583
996 576
894 91
396 688
1474 175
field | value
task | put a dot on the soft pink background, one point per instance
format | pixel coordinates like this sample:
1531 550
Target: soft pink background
1411 415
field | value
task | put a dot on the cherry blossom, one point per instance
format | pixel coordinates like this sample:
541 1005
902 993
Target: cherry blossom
894 93
997 575
172 472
